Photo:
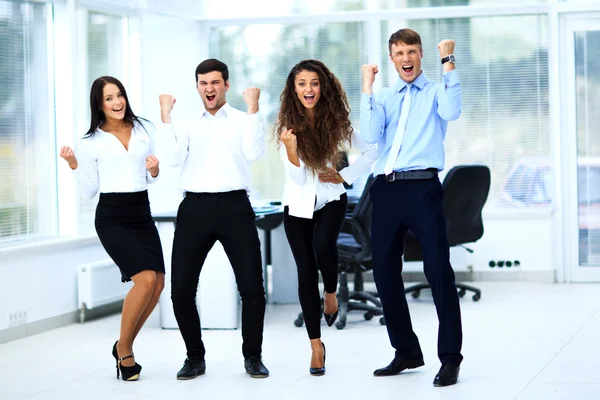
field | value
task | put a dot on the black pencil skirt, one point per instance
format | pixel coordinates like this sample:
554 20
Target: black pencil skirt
128 234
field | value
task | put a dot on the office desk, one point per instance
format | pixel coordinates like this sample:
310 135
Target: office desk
217 289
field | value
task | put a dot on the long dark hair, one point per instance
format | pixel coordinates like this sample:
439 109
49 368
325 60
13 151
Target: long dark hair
97 100
318 143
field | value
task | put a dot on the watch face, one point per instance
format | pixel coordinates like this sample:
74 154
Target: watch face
452 59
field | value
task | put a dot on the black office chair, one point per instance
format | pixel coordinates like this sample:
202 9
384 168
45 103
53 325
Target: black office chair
466 189
354 249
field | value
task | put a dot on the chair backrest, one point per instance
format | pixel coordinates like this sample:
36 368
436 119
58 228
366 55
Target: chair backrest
466 189
363 209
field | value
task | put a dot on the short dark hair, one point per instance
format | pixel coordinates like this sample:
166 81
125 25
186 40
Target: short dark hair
406 36
210 65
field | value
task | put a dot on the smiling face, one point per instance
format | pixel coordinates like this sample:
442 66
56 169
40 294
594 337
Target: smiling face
113 102
308 89
212 89
407 60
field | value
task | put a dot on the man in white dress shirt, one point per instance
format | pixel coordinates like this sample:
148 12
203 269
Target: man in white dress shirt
215 148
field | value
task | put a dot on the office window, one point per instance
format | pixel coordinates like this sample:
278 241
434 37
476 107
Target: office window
246 9
263 55
26 137
104 55
504 78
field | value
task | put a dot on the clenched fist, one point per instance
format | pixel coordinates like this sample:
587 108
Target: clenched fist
368 77
289 140
251 96
166 105
152 165
69 155
446 47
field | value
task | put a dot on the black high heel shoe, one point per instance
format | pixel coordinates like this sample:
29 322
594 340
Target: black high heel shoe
128 373
320 371
330 318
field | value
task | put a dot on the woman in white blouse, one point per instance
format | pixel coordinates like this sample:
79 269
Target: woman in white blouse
314 126
115 157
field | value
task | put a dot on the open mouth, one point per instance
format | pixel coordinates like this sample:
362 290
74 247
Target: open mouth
210 97
118 109
407 68
309 98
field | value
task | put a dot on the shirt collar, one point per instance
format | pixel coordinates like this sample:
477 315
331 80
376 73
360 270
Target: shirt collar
223 111
419 82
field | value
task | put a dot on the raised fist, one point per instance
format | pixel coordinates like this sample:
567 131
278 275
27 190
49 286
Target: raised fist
368 73
446 47
166 102
152 165
69 155
251 96
289 140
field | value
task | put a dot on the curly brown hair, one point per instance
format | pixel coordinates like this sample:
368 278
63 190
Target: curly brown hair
319 142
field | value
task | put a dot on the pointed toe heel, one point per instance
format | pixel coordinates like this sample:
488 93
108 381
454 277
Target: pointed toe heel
319 371
330 318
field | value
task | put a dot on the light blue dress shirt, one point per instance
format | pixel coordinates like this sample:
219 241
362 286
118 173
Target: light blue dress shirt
433 104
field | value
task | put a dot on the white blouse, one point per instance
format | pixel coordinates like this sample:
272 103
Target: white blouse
215 152
305 194
105 165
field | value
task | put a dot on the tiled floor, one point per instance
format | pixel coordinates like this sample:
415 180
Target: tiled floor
521 341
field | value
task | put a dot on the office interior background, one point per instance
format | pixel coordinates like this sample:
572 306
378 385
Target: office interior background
530 77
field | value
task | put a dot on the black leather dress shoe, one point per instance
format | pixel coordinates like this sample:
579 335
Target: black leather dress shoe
398 365
191 369
255 367
447 376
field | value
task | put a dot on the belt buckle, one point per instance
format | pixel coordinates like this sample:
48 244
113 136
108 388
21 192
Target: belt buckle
391 177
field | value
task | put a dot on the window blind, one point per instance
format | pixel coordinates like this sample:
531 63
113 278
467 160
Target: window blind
504 80
24 205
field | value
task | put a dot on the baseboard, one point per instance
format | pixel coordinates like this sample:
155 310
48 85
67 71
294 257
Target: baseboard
47 324
481 276
515 275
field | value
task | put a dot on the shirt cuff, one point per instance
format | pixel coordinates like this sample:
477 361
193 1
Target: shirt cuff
150 178
344 174
451 78
366 101
293 165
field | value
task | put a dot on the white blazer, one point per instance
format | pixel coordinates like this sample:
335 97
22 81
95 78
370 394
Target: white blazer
300 186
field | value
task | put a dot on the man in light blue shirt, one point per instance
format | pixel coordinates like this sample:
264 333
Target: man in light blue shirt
408 122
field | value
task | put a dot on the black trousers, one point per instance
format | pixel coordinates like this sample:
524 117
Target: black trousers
202 219
314 245
416 205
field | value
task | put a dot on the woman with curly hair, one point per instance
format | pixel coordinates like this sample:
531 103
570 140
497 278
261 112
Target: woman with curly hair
314 127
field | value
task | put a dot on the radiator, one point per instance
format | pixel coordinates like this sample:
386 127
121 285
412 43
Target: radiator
99 283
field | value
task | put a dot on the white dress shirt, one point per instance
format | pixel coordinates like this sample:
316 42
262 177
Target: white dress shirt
305 194
215 151
105 166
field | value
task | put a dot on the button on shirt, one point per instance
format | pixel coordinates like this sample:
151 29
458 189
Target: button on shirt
433 104
105 166
215 152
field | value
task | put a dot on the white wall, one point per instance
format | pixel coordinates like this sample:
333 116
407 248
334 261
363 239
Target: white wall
528 240
42 280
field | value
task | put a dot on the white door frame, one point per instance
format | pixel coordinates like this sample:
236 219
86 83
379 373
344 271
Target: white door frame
569 24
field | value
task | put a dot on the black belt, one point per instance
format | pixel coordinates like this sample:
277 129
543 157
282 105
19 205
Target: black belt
217 194
416 174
